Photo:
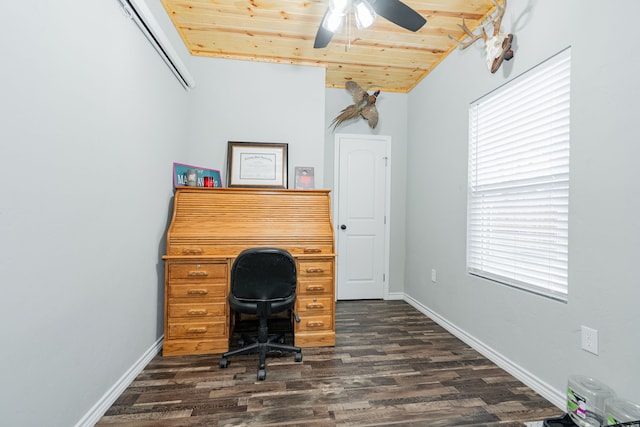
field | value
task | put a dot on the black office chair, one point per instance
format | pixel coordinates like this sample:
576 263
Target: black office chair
263 282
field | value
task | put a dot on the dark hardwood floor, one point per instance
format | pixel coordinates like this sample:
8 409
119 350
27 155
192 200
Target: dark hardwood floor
391 366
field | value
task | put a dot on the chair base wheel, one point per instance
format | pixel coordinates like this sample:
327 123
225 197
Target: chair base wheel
262 374
298 357
224 362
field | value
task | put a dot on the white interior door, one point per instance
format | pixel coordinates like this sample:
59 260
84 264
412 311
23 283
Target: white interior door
362 201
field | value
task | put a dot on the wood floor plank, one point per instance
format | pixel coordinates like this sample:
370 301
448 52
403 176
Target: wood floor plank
391 366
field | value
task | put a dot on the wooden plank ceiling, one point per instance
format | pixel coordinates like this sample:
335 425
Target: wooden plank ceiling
383 56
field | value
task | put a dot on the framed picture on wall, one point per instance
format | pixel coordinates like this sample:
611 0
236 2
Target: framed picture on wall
257 164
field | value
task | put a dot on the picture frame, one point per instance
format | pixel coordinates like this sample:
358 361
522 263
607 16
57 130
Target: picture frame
257 164
185 175
305 179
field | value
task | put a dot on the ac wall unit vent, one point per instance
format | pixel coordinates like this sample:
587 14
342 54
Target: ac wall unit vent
142 16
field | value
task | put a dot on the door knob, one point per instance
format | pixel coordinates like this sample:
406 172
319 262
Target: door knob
343 227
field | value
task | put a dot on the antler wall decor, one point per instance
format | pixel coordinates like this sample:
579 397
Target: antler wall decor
365 106
498 46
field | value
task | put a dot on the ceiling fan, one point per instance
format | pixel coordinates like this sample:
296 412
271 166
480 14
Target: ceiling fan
365 13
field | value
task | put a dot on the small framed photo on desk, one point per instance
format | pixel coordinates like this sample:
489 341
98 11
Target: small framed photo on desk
257 164
304 178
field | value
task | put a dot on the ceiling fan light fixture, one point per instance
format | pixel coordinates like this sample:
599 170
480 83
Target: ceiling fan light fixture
365 14
332 21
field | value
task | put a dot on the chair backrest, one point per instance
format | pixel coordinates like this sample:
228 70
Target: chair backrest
263 274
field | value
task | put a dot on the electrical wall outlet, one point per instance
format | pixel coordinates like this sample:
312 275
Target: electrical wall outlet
589 339
433 275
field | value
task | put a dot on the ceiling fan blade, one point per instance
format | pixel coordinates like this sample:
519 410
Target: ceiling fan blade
323 36
398 13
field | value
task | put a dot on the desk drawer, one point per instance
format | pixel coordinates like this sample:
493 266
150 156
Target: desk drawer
210 272
314 323
197 310
196 329
311 268
313 305
319 249
315 287
198 290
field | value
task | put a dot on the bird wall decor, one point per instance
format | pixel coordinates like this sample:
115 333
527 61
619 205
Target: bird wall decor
364 106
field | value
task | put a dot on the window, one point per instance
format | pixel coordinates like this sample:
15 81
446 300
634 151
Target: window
518 189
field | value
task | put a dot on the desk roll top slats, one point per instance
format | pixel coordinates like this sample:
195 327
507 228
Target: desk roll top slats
210 226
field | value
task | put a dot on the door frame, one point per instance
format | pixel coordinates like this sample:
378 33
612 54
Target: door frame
387 203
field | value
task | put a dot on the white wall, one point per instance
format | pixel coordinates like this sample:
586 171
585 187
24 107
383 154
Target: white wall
540 336
90 119
257 102
392 108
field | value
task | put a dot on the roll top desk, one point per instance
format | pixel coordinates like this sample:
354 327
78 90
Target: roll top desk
210 226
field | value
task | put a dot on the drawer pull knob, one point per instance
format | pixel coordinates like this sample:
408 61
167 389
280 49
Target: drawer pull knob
312 250
192 251
315 288
198 273
197 330
194 312
197 292
315 324
315 270
315 305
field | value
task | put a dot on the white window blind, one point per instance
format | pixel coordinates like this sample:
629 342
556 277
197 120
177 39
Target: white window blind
518 190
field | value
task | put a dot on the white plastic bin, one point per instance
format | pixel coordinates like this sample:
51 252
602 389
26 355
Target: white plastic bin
585 400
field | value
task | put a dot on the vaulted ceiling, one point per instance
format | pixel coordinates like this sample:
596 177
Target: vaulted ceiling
383 56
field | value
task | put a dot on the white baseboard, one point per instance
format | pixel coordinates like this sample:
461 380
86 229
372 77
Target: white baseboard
556 397
97 411
395 296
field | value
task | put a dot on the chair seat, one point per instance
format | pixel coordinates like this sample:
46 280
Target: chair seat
252 307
